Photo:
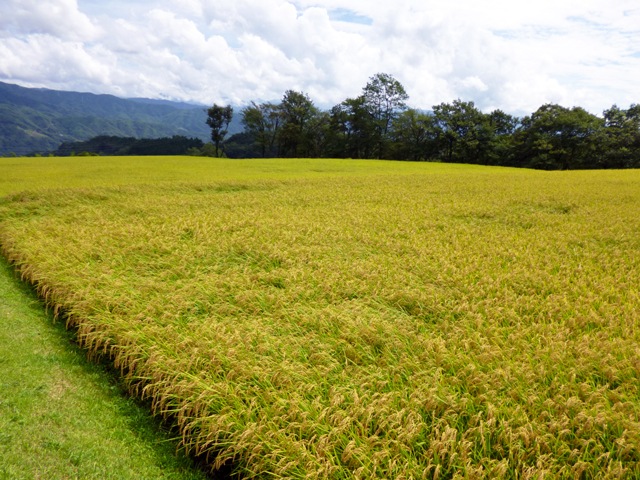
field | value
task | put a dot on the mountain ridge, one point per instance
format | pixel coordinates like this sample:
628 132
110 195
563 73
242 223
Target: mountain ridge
38 120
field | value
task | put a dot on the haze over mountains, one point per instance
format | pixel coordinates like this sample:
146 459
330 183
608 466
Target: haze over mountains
39 120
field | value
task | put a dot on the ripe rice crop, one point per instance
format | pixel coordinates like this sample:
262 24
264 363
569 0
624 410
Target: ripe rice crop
401 321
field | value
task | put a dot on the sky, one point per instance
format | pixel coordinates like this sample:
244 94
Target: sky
513 55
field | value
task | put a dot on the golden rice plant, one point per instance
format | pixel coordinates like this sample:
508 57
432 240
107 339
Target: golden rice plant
410 321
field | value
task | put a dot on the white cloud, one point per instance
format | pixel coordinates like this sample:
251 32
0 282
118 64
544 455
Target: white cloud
58 18
514 55
42 60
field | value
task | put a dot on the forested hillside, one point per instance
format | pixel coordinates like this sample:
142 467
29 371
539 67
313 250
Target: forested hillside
40 120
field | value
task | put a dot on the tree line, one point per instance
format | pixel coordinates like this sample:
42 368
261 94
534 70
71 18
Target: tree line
113 145
379 124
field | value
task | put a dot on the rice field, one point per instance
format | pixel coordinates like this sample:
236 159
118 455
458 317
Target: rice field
353 319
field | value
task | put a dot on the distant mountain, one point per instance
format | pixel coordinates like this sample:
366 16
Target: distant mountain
39 120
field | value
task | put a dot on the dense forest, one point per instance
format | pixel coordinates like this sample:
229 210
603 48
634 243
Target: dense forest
113 145
379 124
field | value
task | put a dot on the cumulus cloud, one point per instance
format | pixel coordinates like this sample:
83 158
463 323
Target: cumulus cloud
58 18
508 54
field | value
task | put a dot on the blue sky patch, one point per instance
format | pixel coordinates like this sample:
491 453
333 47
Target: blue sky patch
346 15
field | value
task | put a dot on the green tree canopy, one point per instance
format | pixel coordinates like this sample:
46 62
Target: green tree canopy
385 98
621 139
556 137
415 135
218 118
262 122
353 129
465 132
297 112
379 124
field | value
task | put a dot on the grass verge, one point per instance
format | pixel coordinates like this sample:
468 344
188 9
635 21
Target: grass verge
63 417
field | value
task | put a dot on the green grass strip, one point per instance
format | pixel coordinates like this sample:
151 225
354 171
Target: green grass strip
63 417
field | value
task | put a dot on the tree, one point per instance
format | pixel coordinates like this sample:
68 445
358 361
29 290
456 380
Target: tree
465 132
262 122
415 135
218 118
384 98
621 138
556 137
319 135
242 145
297 112
352 129
503 127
